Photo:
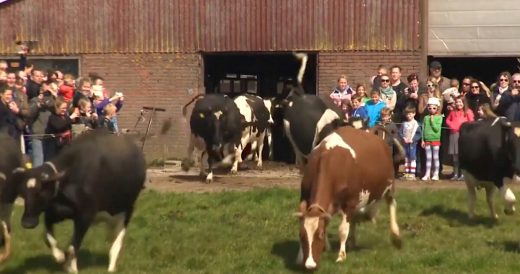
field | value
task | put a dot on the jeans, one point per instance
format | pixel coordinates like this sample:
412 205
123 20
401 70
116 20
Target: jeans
37 152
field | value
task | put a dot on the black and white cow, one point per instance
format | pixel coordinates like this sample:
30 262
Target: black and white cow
256 117
10 159
489 155
307 120
96 178
216 129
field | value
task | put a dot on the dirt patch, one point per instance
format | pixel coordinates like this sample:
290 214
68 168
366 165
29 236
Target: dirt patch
274 174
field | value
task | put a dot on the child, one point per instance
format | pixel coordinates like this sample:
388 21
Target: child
110 111
67 89
374 107
431 138
358 110
361 91
456 118
389 126
410 133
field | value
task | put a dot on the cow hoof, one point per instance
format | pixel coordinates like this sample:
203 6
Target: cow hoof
396 241
342 255
509 211
59 256
233 171
186 164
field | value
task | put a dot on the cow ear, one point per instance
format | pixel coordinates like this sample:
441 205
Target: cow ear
51 178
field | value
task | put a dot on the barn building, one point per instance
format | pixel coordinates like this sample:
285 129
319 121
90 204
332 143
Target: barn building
161 53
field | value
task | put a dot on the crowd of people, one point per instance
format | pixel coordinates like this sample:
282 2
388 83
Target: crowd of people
426 116
44 110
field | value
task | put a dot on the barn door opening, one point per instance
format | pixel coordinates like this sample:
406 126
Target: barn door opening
266 74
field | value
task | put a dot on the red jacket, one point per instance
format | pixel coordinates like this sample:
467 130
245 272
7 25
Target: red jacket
456 118
67 92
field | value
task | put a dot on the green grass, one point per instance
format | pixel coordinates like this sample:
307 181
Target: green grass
254 232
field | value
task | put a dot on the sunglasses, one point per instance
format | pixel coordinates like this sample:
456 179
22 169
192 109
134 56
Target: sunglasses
504 80
385 80
429 86
466 84
432 108
475 87
516 81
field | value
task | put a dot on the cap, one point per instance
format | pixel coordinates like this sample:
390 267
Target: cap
436 65
434 101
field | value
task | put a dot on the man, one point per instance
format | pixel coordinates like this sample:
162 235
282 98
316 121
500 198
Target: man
40 108
388 95
399 87
436 72
509 104
8 114
34 84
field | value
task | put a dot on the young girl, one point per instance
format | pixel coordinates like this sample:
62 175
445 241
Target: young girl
362 93
456 118
410 133
431 138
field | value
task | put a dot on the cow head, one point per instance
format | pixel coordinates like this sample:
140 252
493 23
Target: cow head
37 186
313 233
512 137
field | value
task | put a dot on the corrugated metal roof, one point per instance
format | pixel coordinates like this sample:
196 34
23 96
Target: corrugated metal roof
137 26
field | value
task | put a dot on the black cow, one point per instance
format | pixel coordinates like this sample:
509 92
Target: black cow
308 119
97 178
10 159
216 129
256 119
489 153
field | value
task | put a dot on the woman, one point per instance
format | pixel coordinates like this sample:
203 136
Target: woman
476 97
432 91
502 85
60 125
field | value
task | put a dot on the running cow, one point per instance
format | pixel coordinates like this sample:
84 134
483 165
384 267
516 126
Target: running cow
96 178
10 160
307 120
489 153
337 179
256 117
216 130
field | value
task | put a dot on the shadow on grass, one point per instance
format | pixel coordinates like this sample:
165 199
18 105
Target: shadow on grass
187 178
461 217
86 259
288 250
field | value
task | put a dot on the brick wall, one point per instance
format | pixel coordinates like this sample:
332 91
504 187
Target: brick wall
160 80
360 66
164 80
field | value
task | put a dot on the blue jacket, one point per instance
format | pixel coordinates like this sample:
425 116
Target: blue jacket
374 111
360 112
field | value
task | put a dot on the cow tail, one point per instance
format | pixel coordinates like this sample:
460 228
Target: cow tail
185 107
303 57
400 148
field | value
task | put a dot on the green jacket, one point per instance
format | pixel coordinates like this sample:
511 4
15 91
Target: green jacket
432 131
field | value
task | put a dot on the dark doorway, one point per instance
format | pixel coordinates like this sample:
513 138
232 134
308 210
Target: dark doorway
486 69
269 75
266 74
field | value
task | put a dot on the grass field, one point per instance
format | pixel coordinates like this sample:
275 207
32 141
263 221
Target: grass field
254 232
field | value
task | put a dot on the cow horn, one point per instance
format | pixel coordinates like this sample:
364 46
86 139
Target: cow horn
7 240
18 169
2 176
298 214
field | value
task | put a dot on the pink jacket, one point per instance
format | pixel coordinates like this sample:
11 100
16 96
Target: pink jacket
456 118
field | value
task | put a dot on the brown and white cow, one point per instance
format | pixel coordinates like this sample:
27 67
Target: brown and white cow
348 173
